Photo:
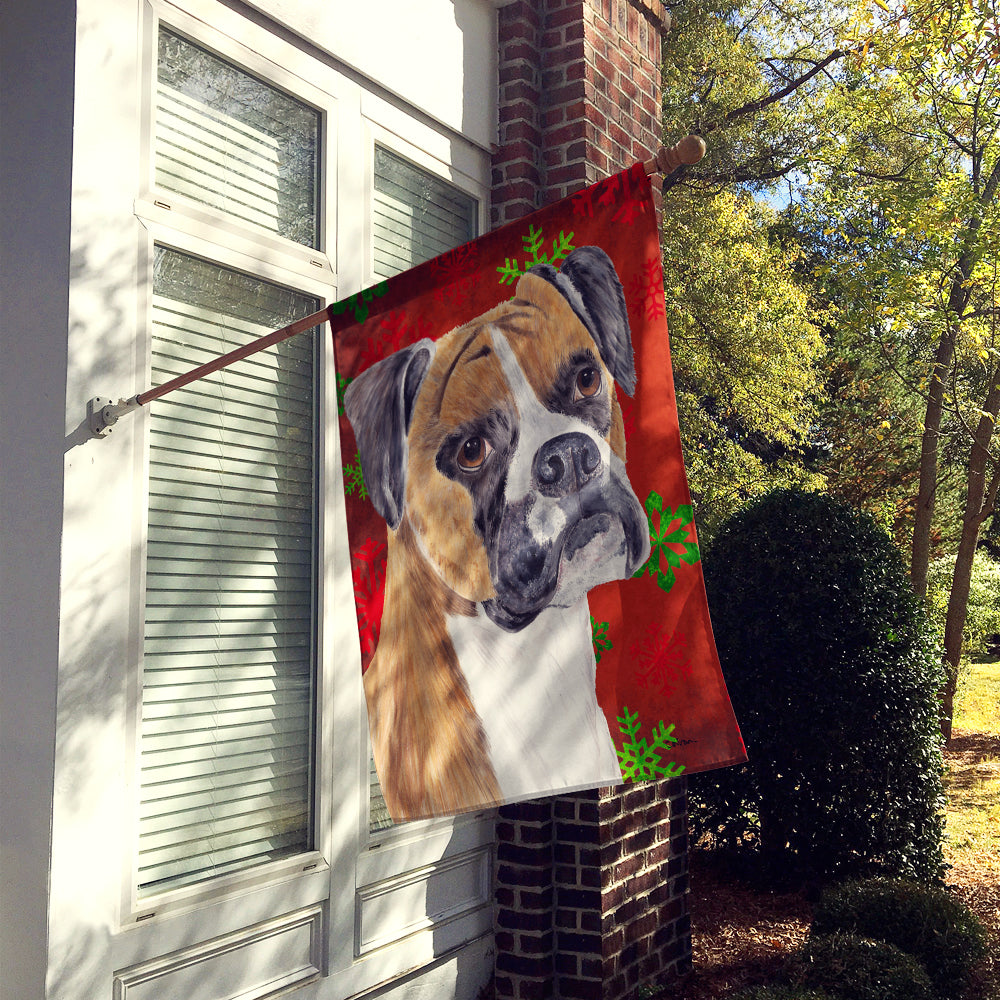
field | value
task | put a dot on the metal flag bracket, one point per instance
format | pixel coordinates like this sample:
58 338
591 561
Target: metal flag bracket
103 413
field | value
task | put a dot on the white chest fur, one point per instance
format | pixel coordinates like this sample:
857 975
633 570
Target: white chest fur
534 692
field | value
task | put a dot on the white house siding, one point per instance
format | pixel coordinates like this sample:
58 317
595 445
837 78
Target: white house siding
407 916
430 53
36 116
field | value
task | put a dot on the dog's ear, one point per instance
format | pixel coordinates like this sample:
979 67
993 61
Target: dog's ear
589 282
379 405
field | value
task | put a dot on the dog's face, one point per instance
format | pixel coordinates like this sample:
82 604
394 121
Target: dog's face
503 444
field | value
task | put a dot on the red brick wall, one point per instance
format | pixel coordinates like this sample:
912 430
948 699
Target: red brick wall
591 889
579 96
591 893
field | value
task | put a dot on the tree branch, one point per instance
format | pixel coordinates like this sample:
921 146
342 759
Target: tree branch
898 176
754 106
990 504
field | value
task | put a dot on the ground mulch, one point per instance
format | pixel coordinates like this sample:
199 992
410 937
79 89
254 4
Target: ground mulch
742 934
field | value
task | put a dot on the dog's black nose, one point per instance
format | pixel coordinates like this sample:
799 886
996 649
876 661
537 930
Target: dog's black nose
565 463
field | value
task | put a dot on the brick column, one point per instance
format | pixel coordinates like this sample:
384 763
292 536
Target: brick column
591 893
524 902
591 889
579 96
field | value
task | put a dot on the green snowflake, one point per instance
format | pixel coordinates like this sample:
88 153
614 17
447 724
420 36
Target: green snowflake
354 480
358 302
639 760
670 546
511 270
601 641
343 381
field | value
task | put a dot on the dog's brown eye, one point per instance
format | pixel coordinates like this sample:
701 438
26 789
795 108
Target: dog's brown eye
473 453
588 383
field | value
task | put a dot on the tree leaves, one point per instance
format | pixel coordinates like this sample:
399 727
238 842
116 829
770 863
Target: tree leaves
747 353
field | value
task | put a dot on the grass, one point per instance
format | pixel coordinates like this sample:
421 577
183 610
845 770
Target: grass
977 707
973 809
973 782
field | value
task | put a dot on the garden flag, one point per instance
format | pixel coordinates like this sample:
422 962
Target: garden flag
526 571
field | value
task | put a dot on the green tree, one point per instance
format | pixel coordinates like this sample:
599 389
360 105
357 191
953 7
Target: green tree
748 76
748 357
867 431
878 121
911 188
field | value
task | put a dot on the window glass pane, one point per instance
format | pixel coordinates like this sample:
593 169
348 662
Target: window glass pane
228 678
228 140
416 217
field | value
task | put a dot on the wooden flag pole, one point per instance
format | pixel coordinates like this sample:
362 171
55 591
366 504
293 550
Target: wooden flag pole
103 413
687 152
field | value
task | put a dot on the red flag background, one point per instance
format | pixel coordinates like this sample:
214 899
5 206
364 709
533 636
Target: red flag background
658 677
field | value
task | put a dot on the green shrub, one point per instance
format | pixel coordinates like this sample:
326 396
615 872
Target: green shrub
833 673
926 922
856 968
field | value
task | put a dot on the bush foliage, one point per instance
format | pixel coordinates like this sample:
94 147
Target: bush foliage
856 968
782 993
833 673
925 922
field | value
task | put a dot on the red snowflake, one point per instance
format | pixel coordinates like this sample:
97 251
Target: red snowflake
597 196
609 191
395 330
661 659
456 295
455 275
629 211
583 203
460 260
368 566
646 288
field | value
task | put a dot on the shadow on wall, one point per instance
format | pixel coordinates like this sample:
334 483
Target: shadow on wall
89 831
473 969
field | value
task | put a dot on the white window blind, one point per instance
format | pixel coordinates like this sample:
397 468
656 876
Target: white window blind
228 140
416 216
228 659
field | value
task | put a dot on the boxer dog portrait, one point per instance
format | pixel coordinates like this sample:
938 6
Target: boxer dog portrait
496 455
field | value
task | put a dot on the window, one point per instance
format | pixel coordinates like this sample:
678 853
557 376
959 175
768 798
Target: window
416 215
229 646
227 140
210 824
251 802
228 678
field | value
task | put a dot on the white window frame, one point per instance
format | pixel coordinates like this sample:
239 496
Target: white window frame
180 224
183 240
276 62
344 879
